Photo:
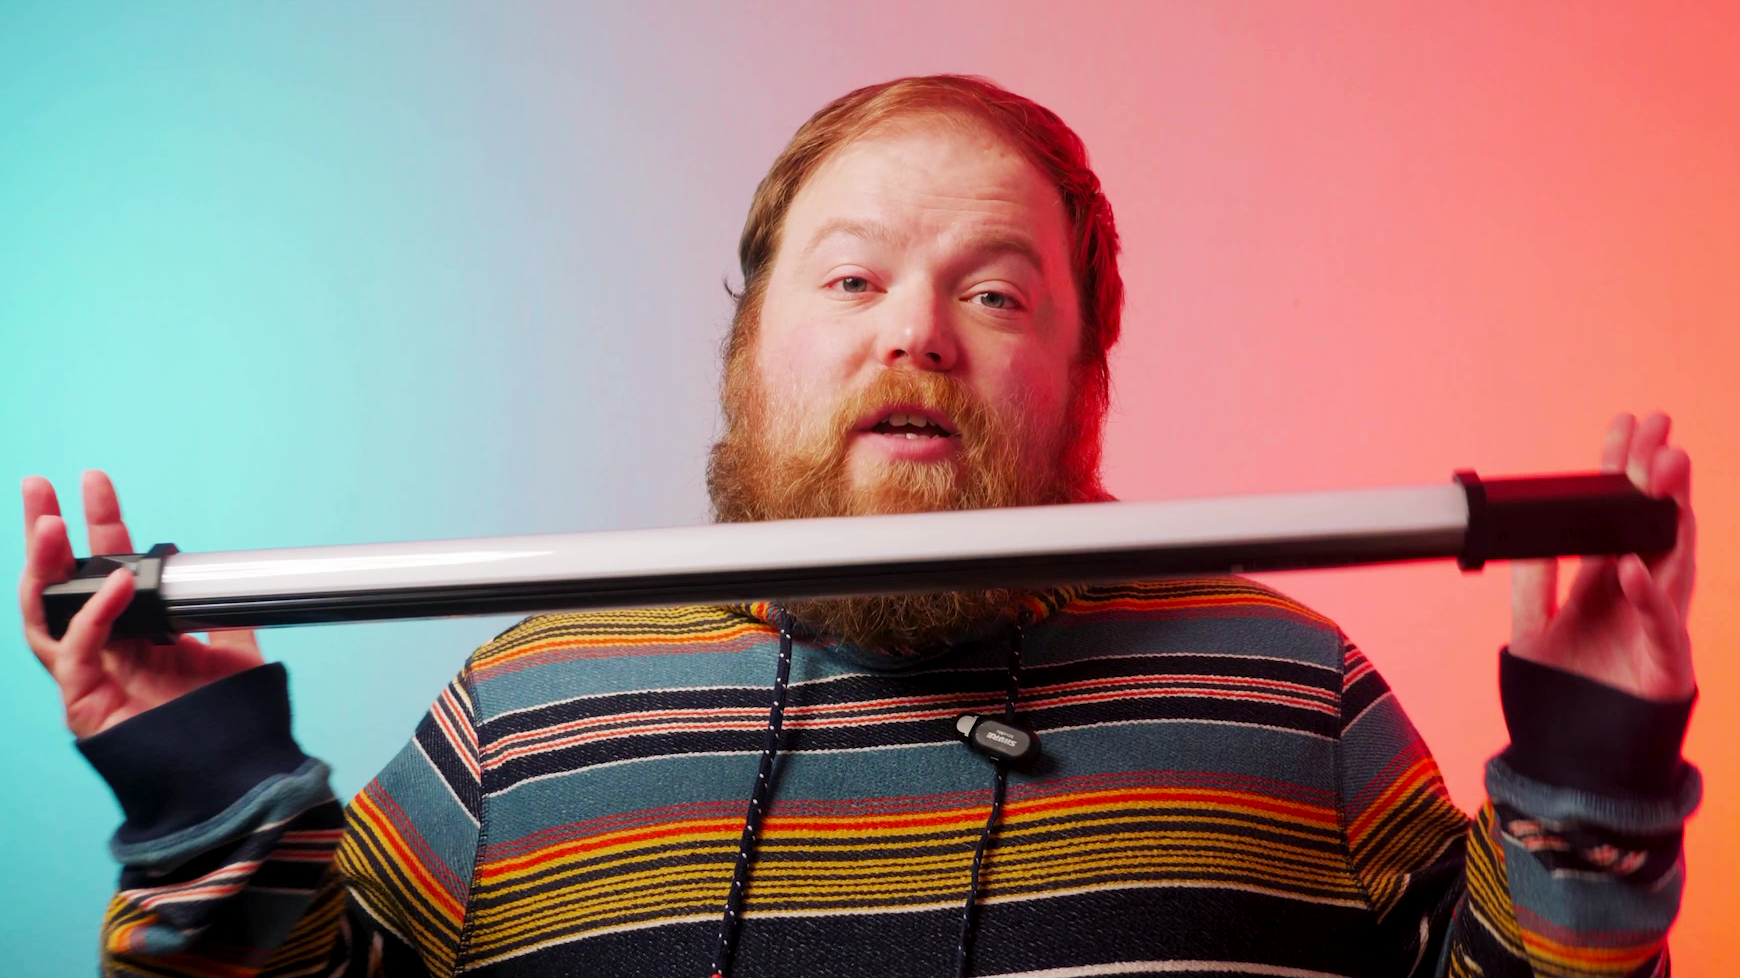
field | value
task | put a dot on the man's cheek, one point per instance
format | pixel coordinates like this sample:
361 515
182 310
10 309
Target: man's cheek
798 371
802 406
779 386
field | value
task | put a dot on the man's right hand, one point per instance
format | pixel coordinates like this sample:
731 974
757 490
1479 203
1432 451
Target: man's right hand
103 682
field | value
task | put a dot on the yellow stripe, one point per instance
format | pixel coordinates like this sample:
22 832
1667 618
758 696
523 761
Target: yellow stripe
427 924
696 624
921 858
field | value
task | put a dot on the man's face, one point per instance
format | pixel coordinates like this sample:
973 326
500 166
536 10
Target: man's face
913 351
934 251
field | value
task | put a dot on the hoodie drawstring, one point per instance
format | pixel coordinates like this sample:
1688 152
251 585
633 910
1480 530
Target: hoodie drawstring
999 787
761 797
758 802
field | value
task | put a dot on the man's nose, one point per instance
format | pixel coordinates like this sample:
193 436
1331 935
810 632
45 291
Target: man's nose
919 334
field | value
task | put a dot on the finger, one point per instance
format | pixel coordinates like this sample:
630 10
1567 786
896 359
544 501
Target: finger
1613 450
240 642
103 516
39 500
1593 570
1671 475
89 629
48 555
242 638
47 560
1670 651
1534 597
1651 434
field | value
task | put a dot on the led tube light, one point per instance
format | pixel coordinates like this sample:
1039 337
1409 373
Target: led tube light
1470 520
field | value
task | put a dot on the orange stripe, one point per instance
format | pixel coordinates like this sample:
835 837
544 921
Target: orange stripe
1418 773
726 828
366 808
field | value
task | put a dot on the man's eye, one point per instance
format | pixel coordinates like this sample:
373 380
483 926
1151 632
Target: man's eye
995 300
853 283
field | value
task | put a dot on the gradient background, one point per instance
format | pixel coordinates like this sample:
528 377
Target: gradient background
300 274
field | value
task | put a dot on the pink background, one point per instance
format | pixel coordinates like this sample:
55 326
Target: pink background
1369 246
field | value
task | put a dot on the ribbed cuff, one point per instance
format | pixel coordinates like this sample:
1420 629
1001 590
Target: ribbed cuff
1574 732
186 761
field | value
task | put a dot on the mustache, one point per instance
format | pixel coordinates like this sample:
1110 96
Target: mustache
969 417
779 458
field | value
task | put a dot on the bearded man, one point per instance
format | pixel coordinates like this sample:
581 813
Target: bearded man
1227 787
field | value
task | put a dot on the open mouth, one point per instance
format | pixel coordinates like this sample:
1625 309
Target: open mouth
912 425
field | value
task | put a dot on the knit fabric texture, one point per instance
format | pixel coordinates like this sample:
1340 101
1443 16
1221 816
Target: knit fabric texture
1227 787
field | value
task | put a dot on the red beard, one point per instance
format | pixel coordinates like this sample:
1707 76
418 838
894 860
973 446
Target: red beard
773 467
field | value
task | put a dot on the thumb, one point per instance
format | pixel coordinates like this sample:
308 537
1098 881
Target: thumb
79 666
1534 597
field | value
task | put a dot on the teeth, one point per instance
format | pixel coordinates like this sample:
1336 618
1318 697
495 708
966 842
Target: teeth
903 419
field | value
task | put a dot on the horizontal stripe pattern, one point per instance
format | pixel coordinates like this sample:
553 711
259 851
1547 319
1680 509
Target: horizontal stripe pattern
899 853
415 878
843 712
909 853
1228 787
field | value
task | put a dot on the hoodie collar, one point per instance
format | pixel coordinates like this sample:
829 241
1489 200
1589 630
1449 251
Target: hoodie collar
1039 605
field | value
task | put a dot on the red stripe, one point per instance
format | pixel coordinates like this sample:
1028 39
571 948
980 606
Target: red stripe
410 857
726 825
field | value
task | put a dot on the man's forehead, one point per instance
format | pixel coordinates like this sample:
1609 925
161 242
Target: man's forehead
964 182
964 162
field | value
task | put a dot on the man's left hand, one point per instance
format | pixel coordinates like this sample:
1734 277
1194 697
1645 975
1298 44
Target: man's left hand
1624 621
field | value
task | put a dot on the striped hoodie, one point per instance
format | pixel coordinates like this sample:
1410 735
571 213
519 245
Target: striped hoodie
1226 787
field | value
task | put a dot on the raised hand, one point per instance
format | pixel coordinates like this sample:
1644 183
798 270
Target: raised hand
104 681
1624 621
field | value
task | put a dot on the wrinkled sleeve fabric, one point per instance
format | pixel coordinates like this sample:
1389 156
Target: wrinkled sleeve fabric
1573 866
236 858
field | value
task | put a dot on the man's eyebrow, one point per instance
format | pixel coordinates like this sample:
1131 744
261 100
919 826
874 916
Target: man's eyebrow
987 242
847 227
1010 243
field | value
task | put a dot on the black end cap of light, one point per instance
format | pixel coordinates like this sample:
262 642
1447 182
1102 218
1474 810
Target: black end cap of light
1562 516
146 616
1476 543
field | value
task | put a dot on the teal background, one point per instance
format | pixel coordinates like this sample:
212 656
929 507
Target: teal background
298 274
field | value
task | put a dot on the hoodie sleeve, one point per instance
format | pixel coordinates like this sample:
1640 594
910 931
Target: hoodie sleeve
237 859
1573 867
